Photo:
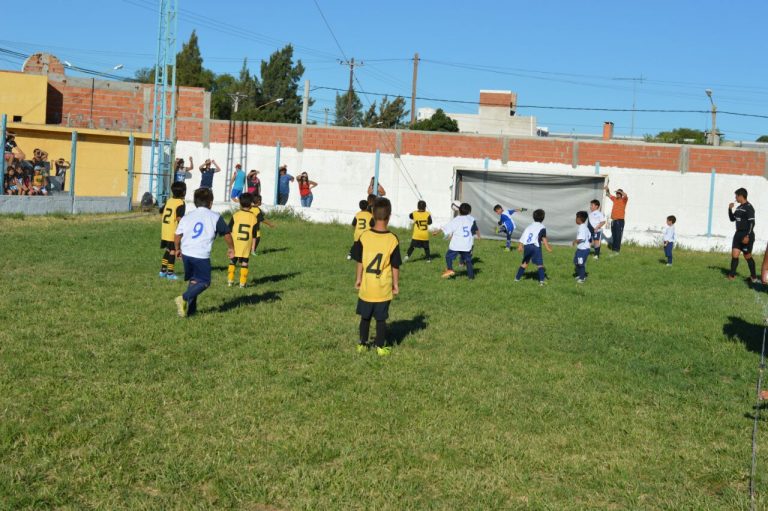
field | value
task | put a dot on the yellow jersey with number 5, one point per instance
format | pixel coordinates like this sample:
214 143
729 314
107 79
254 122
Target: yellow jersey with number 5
379 252
243 226
421 221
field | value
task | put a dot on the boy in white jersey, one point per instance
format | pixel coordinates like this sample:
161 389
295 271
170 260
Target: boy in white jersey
582 247
596 224
530 243
462 231
193 241
669 238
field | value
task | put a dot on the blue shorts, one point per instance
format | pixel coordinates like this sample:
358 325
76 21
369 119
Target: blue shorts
581 256
596 235
236 193
197 269
532 253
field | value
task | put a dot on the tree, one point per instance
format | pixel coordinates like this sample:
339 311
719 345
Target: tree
763 138
145 75
438 122
349 109
679 136
280 79
189 66
390 114
221 104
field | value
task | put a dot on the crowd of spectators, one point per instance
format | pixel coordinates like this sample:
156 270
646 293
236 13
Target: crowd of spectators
31 177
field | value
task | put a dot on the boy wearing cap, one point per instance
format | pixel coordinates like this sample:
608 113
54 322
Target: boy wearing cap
238 182
39 183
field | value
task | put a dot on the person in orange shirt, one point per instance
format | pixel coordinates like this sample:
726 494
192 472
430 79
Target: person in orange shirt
617 218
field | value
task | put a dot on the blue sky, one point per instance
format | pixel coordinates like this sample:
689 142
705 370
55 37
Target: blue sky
552 53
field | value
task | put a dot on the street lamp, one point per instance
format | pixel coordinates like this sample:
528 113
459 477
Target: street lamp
715 136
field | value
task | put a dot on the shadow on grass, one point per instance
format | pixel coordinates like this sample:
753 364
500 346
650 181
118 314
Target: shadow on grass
723 271
274 278
399 330
272 250
748 334
253 299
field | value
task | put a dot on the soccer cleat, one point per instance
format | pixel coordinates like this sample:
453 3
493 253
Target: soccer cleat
596 257
172 276
361 347
753 280
161 274
670 264
384 352
541 283
517 280
181 306
580 281
429 259
448 274
242 286
349 257
230 283
731 277
507 249
406 258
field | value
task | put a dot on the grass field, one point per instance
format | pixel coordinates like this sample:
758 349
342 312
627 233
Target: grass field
633 391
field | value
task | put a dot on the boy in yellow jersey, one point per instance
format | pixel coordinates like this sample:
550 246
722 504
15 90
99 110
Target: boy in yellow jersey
421 222
172 211
361 223
243 225
377 253
259 220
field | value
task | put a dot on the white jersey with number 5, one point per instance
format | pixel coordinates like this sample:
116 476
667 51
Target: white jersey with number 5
198 229
533 234
462 231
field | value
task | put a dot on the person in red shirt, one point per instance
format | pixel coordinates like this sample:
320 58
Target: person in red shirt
305 190
617 218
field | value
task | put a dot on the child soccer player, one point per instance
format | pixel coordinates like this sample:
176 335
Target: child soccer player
462 231
506 224
361 222
530 245
596 224
582 247
193 241
259 220
377 253
420 238
245 227
172 211
669 238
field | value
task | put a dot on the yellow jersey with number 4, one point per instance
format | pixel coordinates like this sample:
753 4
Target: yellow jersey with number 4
379 253
172 213
243 226
421 221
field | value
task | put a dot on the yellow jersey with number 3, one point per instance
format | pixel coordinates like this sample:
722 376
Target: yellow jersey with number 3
362 223
421 221
379 252
172 213
243 226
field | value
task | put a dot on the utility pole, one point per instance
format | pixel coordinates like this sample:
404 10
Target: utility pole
305 104
634 81
236 97
351 63
326 115
413 88
715 137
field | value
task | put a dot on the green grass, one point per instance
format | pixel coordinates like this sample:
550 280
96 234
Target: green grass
634 391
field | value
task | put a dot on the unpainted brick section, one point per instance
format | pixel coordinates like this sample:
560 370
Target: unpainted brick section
727 161
630 156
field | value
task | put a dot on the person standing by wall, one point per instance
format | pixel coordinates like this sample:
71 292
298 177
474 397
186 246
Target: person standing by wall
180 172
305 190
617 218
253 183
283 185
207 170
380 192
744 238
238 182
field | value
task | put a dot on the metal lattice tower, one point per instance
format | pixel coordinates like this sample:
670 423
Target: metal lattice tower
163 119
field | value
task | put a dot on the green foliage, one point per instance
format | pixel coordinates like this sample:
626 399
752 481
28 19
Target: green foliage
145 75
679 136
633 391
189 66
280 78
438 122
349 109
762 138
390 114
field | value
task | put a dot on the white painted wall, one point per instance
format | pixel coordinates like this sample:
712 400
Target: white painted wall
343 178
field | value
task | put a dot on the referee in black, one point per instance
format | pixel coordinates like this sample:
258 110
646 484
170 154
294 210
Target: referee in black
744 239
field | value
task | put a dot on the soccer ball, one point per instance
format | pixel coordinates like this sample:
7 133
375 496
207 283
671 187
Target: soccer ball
455 205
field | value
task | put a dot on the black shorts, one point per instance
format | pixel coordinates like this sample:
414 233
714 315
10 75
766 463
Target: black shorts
740 245
241 260
378 310
420 244
170 245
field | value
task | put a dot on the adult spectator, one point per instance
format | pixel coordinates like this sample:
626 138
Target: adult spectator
744 238
283 185
180 173
380 192
57 182
305 190
253 183
238 182
208 169
617 218
12 150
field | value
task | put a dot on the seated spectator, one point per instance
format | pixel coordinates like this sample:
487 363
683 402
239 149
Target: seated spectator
12 150
39 182
11 182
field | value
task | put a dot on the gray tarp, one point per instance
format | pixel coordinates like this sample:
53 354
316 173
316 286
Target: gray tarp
559 196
